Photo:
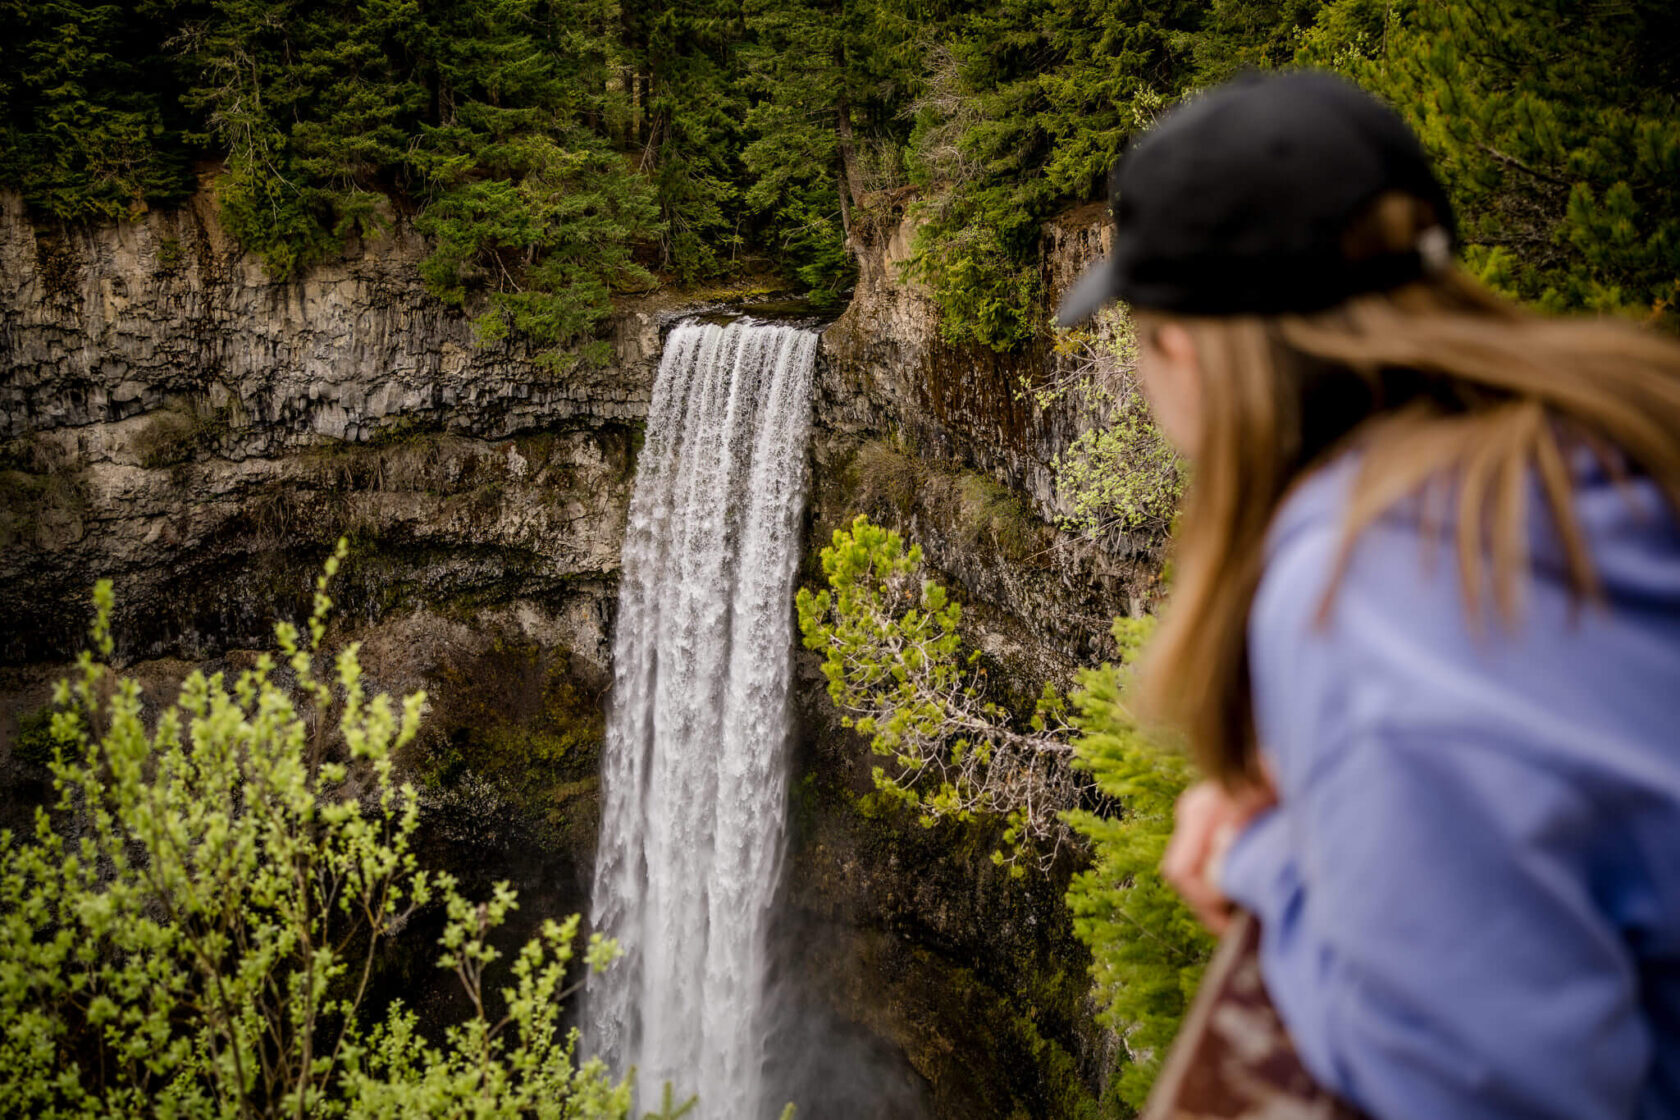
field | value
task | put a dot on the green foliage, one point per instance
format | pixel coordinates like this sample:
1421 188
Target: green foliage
550 243
893 658
192 929
1027 109
554 149
1237 35
1147 949
1120 474
34 742
794 153
557 149
966 255
526 201
828 80
88 130
489 113
286 94
896 671
694 114
170 255
1556 126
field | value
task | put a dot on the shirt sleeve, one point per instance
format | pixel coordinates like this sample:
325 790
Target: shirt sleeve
1430 935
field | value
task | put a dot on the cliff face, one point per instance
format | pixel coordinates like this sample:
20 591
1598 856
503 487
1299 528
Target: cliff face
970 415
975 977
174 420
891 367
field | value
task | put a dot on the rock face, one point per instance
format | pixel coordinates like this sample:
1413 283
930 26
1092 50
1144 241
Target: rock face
174 420
890 368
914 935
179 422
113 322
889 375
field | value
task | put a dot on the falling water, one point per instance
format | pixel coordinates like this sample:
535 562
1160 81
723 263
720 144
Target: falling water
694 783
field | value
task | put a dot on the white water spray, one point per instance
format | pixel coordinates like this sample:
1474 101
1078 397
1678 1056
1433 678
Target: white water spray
694 779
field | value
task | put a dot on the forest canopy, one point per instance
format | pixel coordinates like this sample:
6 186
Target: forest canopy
559 152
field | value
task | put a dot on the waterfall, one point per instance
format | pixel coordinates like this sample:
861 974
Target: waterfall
694 778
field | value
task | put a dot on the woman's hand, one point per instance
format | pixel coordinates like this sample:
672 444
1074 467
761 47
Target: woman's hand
1208 818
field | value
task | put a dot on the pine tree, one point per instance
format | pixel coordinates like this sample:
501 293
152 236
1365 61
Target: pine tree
88 130
524 199
251 69
694 113
1027 109
1556 126
1238 35
1147 950
768 124
829 79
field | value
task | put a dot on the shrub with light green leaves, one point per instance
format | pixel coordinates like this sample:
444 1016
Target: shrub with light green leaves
1120 475
192 930
896 671
1092 777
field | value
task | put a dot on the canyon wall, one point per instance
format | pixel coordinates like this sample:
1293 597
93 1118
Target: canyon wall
176 421
179 423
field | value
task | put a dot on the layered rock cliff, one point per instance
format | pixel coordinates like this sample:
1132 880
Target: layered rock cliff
178 422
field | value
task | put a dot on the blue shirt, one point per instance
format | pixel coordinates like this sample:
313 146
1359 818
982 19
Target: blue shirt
1470 891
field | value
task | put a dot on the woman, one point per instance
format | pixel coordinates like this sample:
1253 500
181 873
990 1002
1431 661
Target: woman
1425 629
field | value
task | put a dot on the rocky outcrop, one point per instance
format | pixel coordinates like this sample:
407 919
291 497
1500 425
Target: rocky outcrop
106 323
889 931
890 368
892 388
179 422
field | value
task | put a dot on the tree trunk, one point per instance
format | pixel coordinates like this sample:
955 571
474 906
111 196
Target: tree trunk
848 155
841 189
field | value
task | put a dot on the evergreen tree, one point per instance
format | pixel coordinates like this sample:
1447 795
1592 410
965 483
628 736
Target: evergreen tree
1556 126
88 130
694 114
298 129
489 114
362 103
524 200
829 79
1238 35
1147 950
1027 109
532 131
893 660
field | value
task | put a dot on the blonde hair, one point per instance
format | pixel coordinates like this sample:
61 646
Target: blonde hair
1436 382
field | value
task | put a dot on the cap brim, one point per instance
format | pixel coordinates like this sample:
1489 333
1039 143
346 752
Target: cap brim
1093 292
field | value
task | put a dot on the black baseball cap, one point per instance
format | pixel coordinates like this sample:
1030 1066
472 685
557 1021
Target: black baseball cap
1237 201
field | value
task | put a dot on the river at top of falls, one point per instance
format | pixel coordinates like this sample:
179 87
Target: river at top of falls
694 780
